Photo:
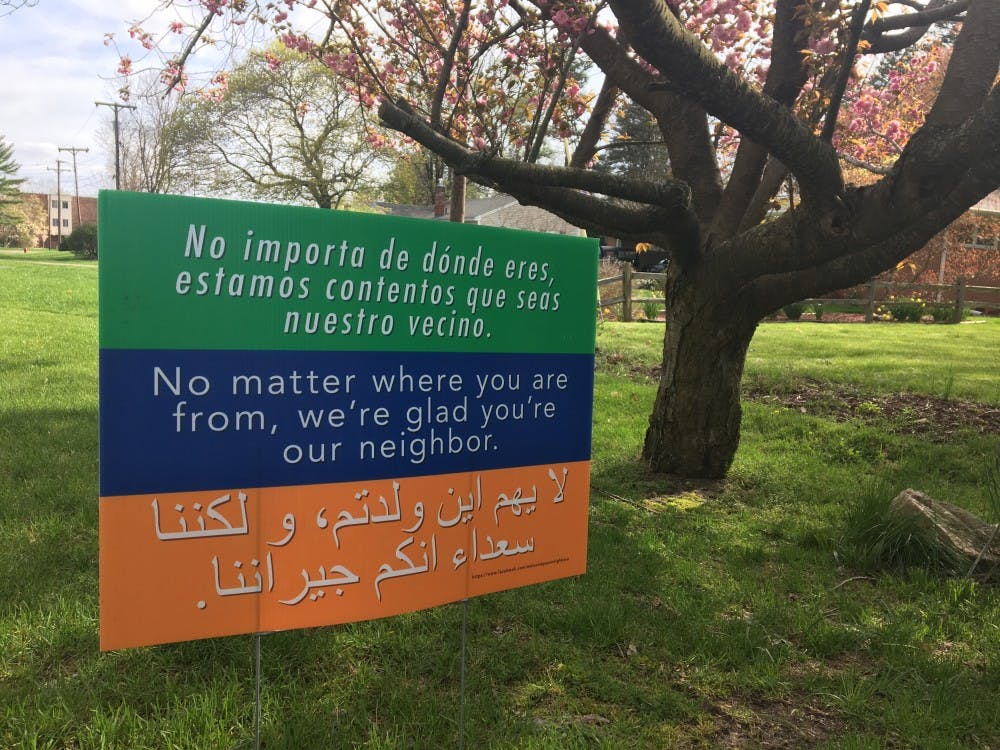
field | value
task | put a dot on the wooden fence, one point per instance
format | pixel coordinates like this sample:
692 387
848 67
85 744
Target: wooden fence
959 297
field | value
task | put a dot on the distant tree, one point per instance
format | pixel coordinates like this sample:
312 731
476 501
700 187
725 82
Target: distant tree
636 147
9 6
154 141
414 175
282 126
28 226
10 183
412 178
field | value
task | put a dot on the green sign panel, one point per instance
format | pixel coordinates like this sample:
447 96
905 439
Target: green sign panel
252 276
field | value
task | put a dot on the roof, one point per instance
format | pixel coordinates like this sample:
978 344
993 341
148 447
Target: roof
475 209
410 212
990 205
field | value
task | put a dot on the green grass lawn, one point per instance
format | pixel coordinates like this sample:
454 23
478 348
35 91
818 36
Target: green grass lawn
736 614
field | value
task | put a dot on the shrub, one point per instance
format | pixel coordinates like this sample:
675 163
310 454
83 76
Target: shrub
941 313
82 242
651 310
905 309
794 311
818 310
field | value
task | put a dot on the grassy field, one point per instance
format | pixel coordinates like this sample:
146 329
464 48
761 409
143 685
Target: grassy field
736 614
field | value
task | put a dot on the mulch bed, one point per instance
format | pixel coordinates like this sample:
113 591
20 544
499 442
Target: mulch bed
905 413
830 317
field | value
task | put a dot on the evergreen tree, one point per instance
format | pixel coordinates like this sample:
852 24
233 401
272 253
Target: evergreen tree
636 147
10 183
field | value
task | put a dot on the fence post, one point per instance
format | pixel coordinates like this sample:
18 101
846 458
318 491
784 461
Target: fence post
627 292
870 309
960 301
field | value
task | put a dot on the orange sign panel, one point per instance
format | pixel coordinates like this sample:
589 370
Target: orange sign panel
193 565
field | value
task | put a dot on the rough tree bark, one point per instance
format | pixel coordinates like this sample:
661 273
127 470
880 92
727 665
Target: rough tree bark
694 427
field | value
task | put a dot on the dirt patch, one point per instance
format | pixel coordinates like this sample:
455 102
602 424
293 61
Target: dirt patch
773 724
904 413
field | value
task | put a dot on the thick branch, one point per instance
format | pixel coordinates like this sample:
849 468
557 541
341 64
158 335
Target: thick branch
603 106
682 122
564 190
846 66
448 63
691 69
671 194
679 234
935 12
972 69
864 261
910 27
774 174
785 78
924 193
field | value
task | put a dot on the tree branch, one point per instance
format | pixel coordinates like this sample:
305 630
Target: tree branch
668 202
679 234
603 105
683 123
911 25
972 69
188 49
861 163
448 64
691 69
846 67
671 194
934 12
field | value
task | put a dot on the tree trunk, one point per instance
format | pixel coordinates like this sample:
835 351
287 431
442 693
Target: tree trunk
694 428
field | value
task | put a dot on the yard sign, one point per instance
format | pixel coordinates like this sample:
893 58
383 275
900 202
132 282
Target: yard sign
312 417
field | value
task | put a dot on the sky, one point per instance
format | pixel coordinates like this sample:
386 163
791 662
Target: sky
53 66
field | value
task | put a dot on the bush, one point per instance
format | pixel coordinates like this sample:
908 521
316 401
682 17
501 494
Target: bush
941 313
818 310
82 242
905 309
794 311
651 310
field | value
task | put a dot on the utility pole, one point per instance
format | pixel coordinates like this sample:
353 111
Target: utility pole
58 171
76 182
118 165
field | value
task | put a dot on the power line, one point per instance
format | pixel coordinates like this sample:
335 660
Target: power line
118 169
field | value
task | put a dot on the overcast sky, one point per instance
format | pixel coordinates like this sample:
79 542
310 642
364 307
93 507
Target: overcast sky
53 66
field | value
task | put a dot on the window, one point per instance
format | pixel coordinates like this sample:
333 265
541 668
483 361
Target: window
66 222
55 204
65 204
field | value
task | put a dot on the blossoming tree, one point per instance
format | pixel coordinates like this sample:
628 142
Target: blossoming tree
748 97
